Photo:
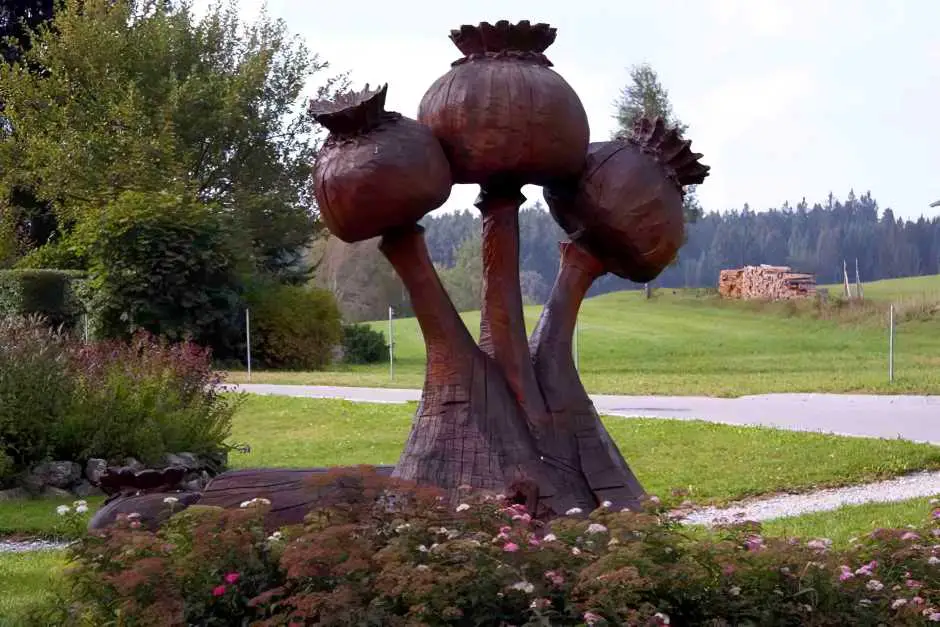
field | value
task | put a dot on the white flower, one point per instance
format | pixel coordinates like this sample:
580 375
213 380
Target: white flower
934 501
574 511
613 541
62 510
255 501
523 586
933 560
662 618
864 601
81 509
171 500
422 548
576 551
606 504
874 585
596 528
551 537
80 503
820 544
422 567
898 603
403 527
734 591
463 507
274 537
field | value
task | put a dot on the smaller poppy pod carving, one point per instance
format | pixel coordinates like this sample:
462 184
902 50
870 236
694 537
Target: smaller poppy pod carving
626 208
377 169
501 113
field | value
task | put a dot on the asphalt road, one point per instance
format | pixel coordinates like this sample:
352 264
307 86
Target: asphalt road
909 417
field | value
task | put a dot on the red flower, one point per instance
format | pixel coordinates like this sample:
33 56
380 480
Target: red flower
232 578
218 591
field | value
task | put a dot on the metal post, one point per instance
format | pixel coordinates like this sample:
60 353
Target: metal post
248 340
891 345
85 321
577 333
391 345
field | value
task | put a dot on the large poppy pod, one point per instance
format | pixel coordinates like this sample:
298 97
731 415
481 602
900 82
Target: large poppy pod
502 113
377 169
626 209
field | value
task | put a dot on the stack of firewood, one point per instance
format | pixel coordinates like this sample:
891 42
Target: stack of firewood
765 282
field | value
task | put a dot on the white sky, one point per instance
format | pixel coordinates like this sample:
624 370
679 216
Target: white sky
786 98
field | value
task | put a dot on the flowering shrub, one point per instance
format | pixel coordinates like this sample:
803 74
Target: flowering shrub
62 399
381 553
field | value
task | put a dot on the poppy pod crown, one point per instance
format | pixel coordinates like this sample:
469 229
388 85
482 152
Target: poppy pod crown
668 149
501 113
353 112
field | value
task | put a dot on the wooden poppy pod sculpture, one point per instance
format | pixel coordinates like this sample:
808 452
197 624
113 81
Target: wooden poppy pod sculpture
377 169
501 112
508 415
626 208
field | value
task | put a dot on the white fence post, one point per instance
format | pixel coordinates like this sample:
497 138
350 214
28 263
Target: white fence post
248 340
391 345
891 345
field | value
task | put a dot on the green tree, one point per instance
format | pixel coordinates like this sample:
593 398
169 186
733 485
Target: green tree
140 95
464 281
645 96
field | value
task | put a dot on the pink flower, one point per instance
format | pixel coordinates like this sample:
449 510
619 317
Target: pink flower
510 547
519 507
898 603
913 584
534 541
592 619
232 578
728 570
867 568
846 573
754 543
525 518
917 600
554 577
936 513
505 529
218 591
910 535
135 524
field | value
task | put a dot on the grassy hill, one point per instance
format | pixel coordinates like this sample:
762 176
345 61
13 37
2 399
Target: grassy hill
906 289
684 343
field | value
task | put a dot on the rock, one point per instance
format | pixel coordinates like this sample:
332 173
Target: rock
94 468
51 492
196 485
85 488
57 474
13 494
133 464
186 460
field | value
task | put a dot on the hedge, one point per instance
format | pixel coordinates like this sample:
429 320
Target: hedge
53 294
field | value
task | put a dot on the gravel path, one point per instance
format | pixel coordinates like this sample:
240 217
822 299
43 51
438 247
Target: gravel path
914 418
917 485
26 546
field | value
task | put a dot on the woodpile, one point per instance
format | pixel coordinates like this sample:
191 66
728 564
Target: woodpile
765 282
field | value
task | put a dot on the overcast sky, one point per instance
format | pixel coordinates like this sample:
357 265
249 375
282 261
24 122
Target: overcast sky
786 98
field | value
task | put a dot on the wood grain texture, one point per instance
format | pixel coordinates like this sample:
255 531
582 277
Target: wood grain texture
573 414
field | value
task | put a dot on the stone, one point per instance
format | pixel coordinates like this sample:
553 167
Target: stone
57 474
51 492
133 464
186 460
94 468
13 494
85 489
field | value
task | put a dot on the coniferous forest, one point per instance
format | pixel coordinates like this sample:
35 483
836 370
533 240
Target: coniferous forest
812 238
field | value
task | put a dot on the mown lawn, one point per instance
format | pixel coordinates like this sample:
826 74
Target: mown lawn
679 344
26 581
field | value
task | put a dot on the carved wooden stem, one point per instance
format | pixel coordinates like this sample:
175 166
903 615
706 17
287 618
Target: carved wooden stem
555 328
502 325
449 344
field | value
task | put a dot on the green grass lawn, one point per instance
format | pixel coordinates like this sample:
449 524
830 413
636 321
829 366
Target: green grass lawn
27 580
898 289
686 345
850 521
714 463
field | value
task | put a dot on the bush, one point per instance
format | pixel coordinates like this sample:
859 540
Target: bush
62 399
52 294
381 553
363 345
36 391
294 327
164 264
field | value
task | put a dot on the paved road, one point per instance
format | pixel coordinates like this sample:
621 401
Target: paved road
910 417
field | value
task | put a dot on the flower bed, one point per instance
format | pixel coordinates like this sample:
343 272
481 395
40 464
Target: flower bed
383 553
